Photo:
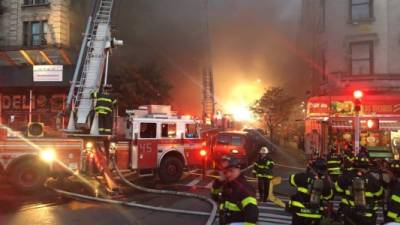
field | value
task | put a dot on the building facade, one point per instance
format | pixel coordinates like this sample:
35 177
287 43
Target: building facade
352 44
37 56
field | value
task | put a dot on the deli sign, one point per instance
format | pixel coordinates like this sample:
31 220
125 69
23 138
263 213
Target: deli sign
40 102
343 106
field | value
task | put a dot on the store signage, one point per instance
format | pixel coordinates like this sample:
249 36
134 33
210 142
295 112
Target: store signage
381 109
318 108
342 107
322 106
40 103
48 73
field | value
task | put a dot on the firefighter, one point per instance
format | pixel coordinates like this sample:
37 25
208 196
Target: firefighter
334 162
360 192
238 197
348 159
313 190
104 109
263 171
392 213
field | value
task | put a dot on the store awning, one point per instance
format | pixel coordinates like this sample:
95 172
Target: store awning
34 56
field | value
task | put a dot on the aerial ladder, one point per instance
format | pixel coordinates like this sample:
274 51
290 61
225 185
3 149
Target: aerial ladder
90 76
91 70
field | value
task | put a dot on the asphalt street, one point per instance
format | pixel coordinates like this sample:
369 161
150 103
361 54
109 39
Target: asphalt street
48 208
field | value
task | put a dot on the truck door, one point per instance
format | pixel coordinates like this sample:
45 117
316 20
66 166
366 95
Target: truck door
147 145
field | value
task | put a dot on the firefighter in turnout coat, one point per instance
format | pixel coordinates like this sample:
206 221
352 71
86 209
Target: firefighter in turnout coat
238 203
313 189
105 104
360 193
263 171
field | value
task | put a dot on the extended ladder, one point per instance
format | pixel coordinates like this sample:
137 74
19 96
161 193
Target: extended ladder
93 67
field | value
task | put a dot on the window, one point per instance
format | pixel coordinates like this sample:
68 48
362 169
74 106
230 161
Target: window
168 130
236 141
35 2
191 131
224 139
361 10
361 58
35 33
148 130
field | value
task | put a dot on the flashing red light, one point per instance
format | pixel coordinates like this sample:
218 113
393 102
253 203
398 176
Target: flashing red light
358 94
203 152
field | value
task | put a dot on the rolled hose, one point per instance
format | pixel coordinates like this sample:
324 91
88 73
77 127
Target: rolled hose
212 215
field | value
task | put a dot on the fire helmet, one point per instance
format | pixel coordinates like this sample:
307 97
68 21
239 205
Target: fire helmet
232 162
319 166
264 150
361 161
395 167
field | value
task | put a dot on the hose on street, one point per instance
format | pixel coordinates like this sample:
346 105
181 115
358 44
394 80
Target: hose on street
125 203
212 215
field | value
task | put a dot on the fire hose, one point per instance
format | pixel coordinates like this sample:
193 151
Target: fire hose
212 215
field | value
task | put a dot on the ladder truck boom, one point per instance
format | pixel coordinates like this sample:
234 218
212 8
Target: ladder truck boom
91 66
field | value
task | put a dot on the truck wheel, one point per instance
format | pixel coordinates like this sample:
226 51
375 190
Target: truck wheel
171 170
29 176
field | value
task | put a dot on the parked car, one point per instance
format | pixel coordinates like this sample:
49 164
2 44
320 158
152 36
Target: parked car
243 144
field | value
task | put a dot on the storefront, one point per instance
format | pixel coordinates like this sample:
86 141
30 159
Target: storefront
331 118
29 94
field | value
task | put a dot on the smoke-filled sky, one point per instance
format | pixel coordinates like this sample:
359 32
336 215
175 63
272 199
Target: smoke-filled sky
247 39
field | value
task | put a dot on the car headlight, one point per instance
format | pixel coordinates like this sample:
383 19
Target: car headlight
48 155
235 151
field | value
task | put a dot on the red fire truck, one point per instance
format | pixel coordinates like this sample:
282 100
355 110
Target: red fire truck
152 139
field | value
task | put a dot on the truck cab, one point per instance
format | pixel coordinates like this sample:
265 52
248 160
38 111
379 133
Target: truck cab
160 142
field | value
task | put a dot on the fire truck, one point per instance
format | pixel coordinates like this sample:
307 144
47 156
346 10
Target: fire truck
150 140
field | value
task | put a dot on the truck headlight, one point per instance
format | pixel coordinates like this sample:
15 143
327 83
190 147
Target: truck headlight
235 151
89 146
113 147
48 155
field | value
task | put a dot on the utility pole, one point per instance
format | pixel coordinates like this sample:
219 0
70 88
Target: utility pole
208 78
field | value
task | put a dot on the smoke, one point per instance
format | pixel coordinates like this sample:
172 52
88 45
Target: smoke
244 47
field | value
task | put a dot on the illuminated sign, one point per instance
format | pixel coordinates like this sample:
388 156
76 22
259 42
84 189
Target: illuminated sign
48 73
40 103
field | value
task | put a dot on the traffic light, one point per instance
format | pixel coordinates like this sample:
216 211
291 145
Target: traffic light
357 100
